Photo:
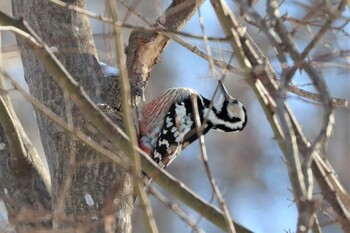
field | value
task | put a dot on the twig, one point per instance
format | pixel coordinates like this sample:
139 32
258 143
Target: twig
265 87
215 188
23 154
318 82
308 208
22 168
7 122
206 43
59 122
201 216
129 125
117 136
58 211
194 49
290 145
296 176
130 26
327 180
316 97
306 211
176 208
199 129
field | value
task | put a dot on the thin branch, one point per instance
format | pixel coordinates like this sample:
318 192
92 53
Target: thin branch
194 49
308 208
63 190
327 180
316 97
328 119
63 125
318 81
206 43
129 125
19 144
331 18
296 176
22 170
176 208
215 188
286 134
302 188
265 88
130 26
117 136
200 128
17 149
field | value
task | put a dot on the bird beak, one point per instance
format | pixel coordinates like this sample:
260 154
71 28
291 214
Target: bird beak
224 91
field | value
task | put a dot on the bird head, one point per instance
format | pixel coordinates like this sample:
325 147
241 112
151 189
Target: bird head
231 114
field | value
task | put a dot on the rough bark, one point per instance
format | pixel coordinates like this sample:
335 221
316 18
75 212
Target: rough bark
144 48
70 33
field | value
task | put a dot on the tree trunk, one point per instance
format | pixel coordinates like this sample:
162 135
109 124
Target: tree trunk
80 185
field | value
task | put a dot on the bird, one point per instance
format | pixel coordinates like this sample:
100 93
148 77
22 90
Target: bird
167 125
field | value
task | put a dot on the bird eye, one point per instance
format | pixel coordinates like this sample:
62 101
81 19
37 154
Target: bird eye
235 101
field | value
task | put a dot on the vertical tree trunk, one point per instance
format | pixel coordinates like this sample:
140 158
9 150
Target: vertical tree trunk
70 33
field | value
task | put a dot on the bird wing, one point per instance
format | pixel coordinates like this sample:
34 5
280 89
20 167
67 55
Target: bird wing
154 115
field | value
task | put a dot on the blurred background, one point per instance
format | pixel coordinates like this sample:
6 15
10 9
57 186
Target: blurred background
248 166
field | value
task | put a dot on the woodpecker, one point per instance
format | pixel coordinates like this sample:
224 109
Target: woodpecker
167 124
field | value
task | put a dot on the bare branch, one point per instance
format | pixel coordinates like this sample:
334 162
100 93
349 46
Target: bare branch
176 208
221 64
316 97
129 125
57 120
318 81
215 188
262 81
23 177
122 23
118 137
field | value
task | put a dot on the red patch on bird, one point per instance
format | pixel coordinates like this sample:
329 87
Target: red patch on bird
146 149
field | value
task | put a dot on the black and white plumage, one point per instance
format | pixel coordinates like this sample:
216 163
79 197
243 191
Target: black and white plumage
167 123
